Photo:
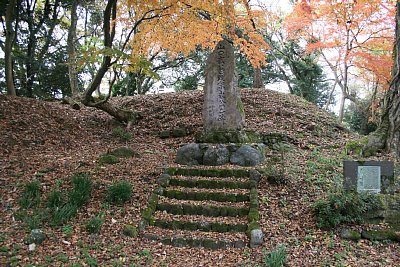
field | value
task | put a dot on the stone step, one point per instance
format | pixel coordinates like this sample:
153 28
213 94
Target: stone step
162 215
200 226
212 183
205 210
184 238
184 193
166 200
209 190
208 172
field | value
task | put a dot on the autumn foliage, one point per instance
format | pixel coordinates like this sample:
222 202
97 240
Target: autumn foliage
357 33
177 27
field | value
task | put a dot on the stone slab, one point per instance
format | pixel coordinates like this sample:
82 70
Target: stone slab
223 109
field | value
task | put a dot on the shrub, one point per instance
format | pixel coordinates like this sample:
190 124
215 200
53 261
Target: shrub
93 226
119 192
276 258
31 195
108 159
82 188
54 199
343 207
121 134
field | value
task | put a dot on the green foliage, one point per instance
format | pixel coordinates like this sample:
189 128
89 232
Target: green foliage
123 152
308 79
355 147
31 195
130 230
93 226
357 117
122 134
35 220
119 192
64 214
187 83
108 159
82 189
275 258
67 230
54 199
343 207
323 171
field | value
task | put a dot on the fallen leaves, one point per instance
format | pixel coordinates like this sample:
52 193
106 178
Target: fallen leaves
50 142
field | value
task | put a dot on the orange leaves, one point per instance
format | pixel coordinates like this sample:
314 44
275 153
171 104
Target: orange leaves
359 33
180 26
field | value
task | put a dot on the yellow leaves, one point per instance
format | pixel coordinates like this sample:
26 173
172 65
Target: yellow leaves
180 26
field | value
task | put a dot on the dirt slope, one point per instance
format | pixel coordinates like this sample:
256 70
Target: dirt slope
49 142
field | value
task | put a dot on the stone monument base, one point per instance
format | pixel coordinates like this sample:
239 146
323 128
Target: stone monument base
212 154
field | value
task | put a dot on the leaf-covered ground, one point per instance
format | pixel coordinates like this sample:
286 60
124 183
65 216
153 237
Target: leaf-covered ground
49 142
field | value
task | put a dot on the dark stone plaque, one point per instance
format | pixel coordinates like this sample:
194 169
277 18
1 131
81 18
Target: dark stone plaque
368 176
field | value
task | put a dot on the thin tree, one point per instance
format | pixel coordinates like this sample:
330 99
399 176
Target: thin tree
10 39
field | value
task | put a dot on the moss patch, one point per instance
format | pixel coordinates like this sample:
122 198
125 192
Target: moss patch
380 235
252 226
108 159
253 215
130 230
123 152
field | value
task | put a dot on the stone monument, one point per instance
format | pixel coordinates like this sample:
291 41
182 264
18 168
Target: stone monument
223 108
223 139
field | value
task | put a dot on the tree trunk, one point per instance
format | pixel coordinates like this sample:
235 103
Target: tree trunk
119 114
328 102
383 139
257 79
341 107
72 64
10 35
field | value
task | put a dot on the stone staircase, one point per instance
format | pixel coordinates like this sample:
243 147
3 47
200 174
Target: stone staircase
211 208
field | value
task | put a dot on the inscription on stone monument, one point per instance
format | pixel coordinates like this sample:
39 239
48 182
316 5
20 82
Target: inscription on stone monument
221 83
221 94
369 179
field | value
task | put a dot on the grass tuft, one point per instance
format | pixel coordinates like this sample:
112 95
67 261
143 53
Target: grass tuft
93 226
120 133
31 195
82 189
54 200
276 258
119 192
